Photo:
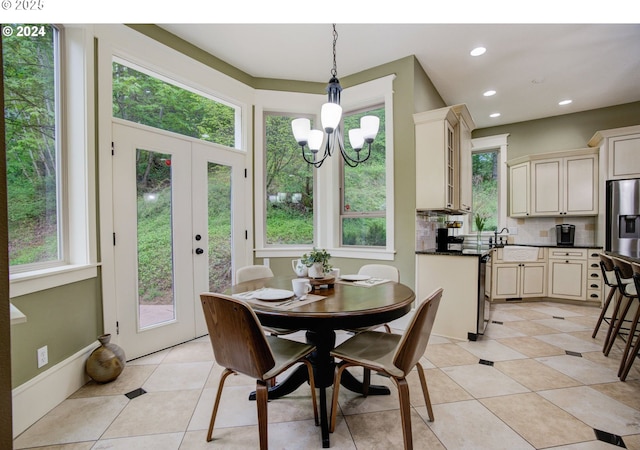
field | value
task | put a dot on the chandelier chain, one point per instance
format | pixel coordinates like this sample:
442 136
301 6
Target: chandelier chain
334 71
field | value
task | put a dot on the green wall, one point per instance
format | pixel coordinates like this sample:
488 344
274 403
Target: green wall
566 132
65 319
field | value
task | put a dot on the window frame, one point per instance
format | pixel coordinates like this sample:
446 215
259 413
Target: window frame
76 182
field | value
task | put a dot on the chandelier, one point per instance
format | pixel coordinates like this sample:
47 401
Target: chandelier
330 116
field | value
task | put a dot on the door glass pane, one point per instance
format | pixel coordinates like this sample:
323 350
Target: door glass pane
219 226
156 300
485 188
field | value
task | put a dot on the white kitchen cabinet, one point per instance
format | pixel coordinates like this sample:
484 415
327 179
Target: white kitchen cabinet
440 134
568 273
621 148
519 190
518 279
595 283
554 184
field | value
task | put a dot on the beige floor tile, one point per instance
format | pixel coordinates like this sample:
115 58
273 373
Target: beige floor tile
532 347
581 369
178 376
75 446
442 389
153 413
154 358
497 331
529 328
596 409
444 355
132 377
491 350
567 342
530 314
166 441
383 430
535 375
470 425
563 325
484 381
625 392
539 421
553 309
353 403
190 352
632 441
74 420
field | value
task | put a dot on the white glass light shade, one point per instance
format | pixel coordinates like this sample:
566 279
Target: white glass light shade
315 140
369 126
330 116
301 128
356 138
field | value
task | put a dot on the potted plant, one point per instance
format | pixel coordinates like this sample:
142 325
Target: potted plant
317 260
480 222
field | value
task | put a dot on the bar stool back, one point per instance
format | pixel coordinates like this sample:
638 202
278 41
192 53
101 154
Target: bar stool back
609 277
632 350
624 278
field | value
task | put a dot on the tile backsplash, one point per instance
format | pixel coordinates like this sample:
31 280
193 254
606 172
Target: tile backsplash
542 230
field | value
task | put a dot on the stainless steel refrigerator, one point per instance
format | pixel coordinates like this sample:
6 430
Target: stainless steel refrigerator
623 217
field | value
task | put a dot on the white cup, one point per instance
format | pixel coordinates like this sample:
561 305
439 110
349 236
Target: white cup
301 286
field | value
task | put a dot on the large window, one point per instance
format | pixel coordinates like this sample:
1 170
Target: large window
485 188
142 98
288 186
31 55
363 200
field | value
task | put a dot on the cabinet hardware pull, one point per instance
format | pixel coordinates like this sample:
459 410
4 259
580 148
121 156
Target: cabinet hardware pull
594 285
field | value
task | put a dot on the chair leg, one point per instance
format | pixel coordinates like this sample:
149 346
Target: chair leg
635 353
312 384
628 354
261 404
334 398
619 322
366 381
425 391
612 291
405 412
216 404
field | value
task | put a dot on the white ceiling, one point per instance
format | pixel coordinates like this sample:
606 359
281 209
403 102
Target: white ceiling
532 67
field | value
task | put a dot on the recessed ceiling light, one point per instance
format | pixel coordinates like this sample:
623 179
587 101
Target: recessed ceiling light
478 51
489 93
494 115
564 102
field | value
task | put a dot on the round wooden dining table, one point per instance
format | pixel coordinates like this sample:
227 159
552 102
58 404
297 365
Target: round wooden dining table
345 306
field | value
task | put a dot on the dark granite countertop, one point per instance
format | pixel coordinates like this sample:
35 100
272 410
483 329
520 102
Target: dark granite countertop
630 258
452 253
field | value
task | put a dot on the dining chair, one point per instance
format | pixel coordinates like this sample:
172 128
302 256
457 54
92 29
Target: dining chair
385 272
392 355
241 346
609 277
624 278
254 272
632 351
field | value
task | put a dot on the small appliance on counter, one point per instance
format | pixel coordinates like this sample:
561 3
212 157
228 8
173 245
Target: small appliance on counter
565 235
448 243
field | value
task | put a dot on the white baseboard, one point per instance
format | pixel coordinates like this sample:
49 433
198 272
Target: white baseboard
41 394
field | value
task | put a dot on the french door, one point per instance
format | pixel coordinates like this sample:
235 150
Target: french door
178 230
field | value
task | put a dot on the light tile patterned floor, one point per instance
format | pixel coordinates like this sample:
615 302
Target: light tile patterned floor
533 396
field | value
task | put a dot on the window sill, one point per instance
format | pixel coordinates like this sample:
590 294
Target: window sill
356 253
38 280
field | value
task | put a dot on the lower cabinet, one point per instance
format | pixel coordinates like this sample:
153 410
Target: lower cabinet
519 280
568 274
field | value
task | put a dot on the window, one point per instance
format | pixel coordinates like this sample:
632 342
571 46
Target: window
142 98
485 188
288 185
363 199
31 56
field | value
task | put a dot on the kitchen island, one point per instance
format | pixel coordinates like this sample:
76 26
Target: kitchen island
464 308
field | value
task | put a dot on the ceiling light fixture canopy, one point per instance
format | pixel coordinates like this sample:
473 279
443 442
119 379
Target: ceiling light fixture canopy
330 116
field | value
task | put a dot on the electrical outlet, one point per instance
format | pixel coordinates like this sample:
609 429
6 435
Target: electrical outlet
43 356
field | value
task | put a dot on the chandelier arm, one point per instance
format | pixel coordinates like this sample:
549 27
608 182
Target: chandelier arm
355 161
313 162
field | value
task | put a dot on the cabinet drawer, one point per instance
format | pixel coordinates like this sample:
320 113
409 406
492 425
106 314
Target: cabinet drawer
594 284
572 253
594 254
594 295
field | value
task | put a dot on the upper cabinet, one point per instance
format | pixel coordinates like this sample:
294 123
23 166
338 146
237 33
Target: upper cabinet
622 145
554 184
443 159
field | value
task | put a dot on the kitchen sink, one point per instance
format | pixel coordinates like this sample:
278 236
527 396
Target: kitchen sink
519 253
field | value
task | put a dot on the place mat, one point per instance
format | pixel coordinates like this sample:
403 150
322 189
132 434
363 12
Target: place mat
365 283
286 304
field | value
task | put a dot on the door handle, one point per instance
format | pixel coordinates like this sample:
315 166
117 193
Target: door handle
199 251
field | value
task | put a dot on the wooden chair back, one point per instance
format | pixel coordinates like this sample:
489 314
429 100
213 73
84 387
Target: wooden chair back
383 271
249 273
608 274
236 336
415 339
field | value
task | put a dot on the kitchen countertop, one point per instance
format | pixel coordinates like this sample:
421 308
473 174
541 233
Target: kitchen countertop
633 259
470 252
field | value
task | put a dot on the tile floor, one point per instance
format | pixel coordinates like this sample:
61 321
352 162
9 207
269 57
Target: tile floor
534 395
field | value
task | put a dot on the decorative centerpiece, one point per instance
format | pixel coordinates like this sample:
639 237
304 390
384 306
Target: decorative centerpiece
480 222
317 262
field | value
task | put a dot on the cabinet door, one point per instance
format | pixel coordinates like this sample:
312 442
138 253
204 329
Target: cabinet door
519 192
546 187
567 279
580 182
465 168
624 156
451 152
505 281
532 280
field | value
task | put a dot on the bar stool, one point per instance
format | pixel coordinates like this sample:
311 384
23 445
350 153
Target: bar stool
624 278
609 277
632 350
